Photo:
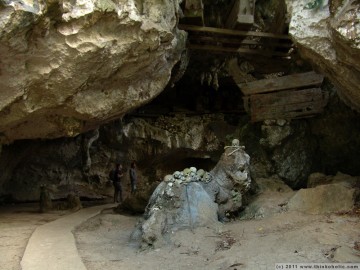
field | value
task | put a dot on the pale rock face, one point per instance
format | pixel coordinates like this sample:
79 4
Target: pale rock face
69 66
329 37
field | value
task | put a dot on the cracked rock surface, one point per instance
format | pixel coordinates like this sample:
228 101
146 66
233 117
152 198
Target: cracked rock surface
69 66
328 35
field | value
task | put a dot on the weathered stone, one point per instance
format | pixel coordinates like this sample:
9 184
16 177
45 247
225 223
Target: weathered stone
230 179
294 158
330 41
323 199
272 184
338 140
190 207
136 203
346 180
345 254
271 199
274 134
316 179
193 203
69 66
176 132
73 202
45 200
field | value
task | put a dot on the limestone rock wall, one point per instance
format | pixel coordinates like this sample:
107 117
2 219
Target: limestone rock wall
327 33
72 165
68 66
286 150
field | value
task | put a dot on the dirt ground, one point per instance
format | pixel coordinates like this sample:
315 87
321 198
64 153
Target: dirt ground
103 243
17 223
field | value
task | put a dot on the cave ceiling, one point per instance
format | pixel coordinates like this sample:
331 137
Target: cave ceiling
67 67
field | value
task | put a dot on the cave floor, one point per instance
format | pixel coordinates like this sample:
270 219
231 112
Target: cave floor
17 223
103 241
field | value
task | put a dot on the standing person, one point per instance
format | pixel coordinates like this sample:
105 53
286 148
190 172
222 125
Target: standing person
133 177
117 174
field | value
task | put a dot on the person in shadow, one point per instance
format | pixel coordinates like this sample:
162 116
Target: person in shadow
133 177
117 175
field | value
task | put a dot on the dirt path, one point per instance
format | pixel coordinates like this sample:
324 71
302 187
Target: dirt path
103 243
17 223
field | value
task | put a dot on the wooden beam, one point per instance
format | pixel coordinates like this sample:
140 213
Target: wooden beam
223 31
281 83
286 97
238 41
237 50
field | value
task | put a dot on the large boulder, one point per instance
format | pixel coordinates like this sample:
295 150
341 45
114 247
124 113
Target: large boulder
316 179
324 199
292 150
271 199
196 198
69 66
173 207
326 33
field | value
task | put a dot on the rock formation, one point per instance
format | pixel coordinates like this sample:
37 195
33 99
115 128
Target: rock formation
324 199
68 66
327 33
195 198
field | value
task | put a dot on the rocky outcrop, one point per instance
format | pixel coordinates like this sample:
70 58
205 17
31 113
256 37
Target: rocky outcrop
317 179
327 34
69 66
328 143
271 199
82 164
324 199
191 199
291 149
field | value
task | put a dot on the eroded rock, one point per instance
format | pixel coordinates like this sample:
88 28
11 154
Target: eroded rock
186 200
327 34
69 66
324 199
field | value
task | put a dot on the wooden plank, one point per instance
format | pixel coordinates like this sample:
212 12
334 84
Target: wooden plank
285 115
224 40
287 111
237 50
286 97
286 104
231 32
281 83
288 116
281 109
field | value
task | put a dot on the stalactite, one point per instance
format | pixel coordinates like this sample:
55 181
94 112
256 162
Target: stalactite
88 139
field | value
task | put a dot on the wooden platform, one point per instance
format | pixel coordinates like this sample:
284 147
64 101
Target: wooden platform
287 97
236 41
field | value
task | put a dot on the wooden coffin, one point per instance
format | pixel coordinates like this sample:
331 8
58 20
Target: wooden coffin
287 104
